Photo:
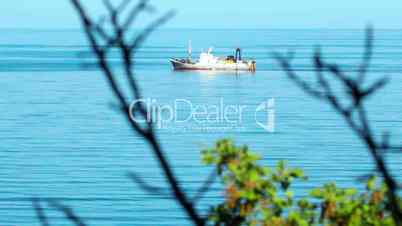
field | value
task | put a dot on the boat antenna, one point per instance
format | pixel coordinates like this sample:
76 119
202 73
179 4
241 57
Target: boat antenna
238 54
190 50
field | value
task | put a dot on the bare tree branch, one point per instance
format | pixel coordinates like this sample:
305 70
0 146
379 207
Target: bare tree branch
367 56
141 6
285 64
68 212
127 50
147 187
205 187
40 214
360 125
150 28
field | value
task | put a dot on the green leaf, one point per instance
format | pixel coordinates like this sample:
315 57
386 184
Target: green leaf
371 183
351 191
317 193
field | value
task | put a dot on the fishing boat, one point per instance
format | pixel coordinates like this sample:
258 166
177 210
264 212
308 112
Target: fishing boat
207 61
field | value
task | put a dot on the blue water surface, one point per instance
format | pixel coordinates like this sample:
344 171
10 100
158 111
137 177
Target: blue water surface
61 136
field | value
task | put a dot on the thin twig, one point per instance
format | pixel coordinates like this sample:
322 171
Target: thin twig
205 187
40 213
68 212
145 186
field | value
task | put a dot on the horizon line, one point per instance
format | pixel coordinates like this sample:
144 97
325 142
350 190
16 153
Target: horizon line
186 28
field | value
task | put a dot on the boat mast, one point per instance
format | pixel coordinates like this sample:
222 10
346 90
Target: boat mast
190 50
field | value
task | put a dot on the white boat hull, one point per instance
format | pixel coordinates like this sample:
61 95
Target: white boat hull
219 66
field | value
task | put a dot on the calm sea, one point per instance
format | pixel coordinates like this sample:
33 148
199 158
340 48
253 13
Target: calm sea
61 136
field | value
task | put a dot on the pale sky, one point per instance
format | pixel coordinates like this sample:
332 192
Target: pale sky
260 14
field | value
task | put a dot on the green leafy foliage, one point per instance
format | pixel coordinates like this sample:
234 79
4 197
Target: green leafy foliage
259 195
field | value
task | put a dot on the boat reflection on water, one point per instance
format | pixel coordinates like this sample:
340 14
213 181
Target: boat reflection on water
215 72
